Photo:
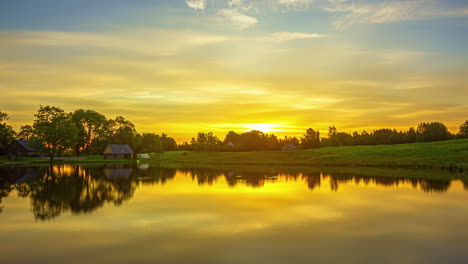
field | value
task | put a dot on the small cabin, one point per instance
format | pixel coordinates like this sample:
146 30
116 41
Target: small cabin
143 156
22 148
116 151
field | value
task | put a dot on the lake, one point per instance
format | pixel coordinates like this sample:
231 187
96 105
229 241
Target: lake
141 214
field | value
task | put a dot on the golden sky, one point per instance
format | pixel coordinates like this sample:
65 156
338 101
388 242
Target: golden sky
282 65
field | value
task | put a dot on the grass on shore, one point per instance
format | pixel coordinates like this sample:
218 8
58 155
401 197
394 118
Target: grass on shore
67 160
447 155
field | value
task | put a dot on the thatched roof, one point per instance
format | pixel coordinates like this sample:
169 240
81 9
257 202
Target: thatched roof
118 149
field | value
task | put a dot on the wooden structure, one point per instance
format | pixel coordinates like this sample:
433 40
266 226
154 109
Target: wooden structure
22 148
143 156
116 151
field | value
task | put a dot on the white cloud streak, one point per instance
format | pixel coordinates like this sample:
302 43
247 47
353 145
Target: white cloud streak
287 36
353 12
236 19
196 4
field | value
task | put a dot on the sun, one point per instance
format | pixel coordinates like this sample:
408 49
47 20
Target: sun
265 128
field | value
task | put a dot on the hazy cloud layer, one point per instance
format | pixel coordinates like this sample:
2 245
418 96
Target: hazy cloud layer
221 65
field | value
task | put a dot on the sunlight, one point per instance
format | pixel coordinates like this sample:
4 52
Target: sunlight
265 128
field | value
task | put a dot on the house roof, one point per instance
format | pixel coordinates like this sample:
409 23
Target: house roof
118 149
25 145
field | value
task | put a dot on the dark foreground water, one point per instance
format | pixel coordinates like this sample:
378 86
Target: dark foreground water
141 214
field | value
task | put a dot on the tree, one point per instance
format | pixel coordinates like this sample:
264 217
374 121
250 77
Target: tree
26 132
206 142
151 142
123 131
311 139
54 131
336 138
7 133
411 135
434 131
91 125
463 133
168 143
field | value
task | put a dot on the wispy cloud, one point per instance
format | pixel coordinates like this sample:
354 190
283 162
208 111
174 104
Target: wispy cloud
287 36
236 19
196 4
376 12
295 2
149 42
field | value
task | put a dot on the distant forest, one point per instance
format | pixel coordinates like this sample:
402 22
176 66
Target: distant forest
88 132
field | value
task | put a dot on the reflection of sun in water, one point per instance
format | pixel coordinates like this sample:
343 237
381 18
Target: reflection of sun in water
263 127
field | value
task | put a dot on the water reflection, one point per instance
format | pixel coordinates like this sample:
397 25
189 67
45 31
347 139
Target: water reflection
56 189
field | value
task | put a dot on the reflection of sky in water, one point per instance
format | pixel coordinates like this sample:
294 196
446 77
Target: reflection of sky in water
201 216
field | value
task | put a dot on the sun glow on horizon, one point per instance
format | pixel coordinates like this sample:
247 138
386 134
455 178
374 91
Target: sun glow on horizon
265 128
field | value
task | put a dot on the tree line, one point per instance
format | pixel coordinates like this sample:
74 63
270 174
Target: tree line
57 132
256 140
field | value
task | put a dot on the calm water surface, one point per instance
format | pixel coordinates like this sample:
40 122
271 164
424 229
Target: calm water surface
141 214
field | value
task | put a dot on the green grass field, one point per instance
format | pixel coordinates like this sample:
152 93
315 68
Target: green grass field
26 161
449 155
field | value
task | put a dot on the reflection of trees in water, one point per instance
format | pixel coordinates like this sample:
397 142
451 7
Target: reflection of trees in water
424 184
61 188
203 176
313 180
77 189
154 175
56 189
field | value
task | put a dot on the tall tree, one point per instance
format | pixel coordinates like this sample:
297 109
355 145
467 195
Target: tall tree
311 139
434 131
91 125
26 132
54 131
7 133
123 131
463 133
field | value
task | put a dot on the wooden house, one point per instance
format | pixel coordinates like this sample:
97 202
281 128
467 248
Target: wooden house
116 151
22 148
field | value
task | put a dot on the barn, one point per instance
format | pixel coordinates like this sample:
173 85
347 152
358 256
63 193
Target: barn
116 151
22 148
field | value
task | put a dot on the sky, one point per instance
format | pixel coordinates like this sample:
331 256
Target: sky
281 66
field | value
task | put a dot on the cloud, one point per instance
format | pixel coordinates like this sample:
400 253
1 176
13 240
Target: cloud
366 12
196 4
237 19
287 36
295 2
148 42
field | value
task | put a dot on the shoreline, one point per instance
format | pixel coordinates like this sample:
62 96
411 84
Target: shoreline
449 155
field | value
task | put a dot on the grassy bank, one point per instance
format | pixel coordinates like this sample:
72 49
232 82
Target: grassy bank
26 161
447 155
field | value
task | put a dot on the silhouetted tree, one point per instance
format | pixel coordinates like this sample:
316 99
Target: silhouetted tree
434 131
463 133
91 126
26 132
7 133
54 130
311 139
